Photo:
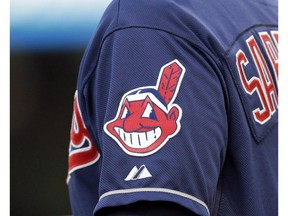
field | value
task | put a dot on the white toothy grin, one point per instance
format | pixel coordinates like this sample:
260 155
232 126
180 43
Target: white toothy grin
139 139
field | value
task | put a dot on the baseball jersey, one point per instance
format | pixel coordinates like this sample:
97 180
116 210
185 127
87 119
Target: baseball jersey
177 101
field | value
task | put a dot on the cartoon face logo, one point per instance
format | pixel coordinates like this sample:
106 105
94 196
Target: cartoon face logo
146 117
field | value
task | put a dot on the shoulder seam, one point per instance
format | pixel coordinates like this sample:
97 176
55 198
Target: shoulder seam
117 29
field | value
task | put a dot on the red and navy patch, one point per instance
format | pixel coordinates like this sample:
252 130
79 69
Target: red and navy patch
147 117
82 150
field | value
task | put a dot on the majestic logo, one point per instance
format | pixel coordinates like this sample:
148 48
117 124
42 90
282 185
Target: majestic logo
140 173
146 117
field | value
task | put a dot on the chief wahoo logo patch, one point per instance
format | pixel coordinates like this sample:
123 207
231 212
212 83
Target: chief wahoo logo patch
147 117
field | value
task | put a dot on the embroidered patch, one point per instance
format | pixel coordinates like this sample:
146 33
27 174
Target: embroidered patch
147 117
82 150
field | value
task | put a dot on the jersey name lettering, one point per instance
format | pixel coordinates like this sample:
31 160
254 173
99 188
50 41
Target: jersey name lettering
263 84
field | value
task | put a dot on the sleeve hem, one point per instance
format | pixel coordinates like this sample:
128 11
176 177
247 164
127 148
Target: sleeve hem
127 196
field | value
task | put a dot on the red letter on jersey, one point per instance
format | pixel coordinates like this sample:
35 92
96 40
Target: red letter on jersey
254 84
270 50
82 151
265 74
264 84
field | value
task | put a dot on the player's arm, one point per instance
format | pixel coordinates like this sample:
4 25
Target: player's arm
154 104
157 105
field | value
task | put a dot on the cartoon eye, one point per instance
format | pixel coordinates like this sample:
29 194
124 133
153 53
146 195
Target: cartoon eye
149 112
125 113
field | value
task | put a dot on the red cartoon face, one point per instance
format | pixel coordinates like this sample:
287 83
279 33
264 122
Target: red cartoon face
146 120
142 126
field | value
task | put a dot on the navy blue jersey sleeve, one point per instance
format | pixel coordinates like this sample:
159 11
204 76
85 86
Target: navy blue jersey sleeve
156 104
176 102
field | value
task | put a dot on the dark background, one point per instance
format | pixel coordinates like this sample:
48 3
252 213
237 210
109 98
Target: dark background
47 42
42 90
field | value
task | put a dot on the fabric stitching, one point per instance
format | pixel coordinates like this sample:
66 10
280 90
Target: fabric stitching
160 190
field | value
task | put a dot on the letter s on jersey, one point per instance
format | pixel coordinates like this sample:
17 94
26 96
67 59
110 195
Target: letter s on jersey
263 84
82 150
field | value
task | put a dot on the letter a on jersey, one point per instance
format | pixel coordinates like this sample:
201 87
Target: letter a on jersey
147 117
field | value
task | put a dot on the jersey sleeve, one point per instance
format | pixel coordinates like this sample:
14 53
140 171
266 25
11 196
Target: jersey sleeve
149 122
155 103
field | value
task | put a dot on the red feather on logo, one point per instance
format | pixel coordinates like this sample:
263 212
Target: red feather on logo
169 81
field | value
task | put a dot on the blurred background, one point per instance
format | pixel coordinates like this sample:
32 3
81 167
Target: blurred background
47 41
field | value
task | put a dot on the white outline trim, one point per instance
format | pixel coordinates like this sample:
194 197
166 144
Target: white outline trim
160 190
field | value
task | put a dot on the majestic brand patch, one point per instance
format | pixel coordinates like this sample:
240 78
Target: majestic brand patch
147 117
140 173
